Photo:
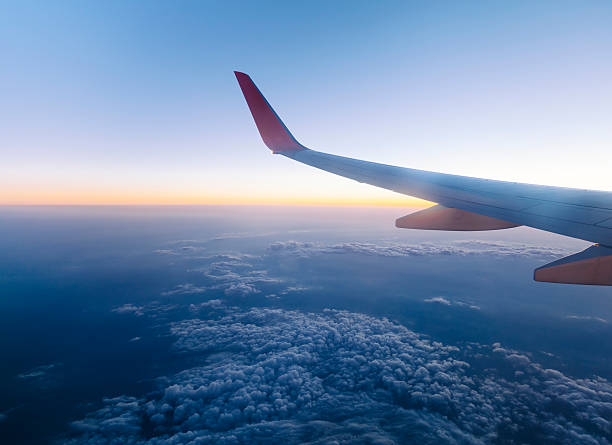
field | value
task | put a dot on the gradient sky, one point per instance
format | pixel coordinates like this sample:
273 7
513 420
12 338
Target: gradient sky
135 102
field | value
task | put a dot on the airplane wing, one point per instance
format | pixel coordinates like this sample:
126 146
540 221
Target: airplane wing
465 203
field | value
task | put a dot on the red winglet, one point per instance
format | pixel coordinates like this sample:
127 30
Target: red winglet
272 130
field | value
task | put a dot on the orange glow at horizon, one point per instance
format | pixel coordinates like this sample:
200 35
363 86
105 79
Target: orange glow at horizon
98 197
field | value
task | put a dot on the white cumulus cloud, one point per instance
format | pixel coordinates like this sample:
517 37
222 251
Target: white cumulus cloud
274 375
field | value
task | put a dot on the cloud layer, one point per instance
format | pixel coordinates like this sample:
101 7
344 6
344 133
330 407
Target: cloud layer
242 275
389 249
271 375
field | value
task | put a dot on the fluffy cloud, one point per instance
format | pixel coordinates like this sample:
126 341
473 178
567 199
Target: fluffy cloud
185 289
447 302
237 275
154 309
440 300
214 304
273 375
129 309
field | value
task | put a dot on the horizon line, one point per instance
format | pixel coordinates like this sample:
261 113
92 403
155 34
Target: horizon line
245 204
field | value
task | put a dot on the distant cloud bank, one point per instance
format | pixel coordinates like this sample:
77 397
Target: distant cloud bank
460 248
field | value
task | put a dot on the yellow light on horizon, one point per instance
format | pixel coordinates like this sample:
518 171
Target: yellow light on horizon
29 196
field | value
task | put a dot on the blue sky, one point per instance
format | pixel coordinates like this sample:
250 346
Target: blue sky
135 102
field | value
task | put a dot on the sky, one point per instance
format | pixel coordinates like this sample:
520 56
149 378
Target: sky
125 102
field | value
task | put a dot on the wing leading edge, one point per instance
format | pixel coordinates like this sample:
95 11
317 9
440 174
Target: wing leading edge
465 203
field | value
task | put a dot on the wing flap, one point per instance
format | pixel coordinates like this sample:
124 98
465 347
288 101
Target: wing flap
591 266
443 218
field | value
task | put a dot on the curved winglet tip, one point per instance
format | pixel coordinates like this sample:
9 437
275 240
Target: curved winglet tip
272 130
